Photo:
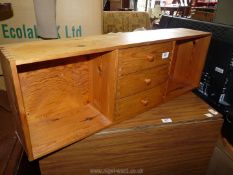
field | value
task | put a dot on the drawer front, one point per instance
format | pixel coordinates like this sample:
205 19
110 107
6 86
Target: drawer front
136 82
138 103
144 57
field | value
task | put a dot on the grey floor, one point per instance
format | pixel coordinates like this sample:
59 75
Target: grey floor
221 162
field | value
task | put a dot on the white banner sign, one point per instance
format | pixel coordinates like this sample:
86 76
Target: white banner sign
74 19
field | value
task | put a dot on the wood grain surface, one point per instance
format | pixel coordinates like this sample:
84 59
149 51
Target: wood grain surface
143 57
144 142
16 101
48 86
62 91
55 49
186 62
63 128
103 82
133 83
140 102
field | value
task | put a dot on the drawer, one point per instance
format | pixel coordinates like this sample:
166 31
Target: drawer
143 80
144 57
138 103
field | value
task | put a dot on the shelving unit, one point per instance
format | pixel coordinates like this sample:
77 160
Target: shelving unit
62 91
204 10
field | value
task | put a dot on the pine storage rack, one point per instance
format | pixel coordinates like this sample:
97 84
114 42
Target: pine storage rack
62 91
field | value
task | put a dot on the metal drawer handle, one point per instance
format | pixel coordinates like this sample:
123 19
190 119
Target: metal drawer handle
145 102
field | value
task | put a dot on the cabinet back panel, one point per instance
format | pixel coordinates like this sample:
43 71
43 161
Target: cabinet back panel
48 90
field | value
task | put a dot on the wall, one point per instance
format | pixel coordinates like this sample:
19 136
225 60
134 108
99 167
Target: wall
75 18
224 13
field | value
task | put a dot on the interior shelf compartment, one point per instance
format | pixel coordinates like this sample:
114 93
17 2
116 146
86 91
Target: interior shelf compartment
61 101
56 131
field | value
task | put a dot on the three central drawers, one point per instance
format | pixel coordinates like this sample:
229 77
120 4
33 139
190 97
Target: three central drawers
142 77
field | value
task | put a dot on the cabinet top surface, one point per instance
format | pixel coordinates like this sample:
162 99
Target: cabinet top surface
37 51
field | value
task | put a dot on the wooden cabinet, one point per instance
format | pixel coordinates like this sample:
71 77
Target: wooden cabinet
181 147
62 91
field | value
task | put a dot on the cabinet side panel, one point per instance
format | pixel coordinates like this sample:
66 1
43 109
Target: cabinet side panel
190 61
16 101
199 52
184 60
103 82
187 65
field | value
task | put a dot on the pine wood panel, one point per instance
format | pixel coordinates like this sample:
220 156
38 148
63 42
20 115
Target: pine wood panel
56 49
179 148
144 57
184 51
188 59
140 102
64 128
140 81
16 100
200 47
103 80
47 87
66 88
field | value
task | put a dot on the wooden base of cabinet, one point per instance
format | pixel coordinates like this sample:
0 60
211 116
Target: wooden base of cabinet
145 143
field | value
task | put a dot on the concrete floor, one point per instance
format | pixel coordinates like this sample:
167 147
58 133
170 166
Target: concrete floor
221 162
